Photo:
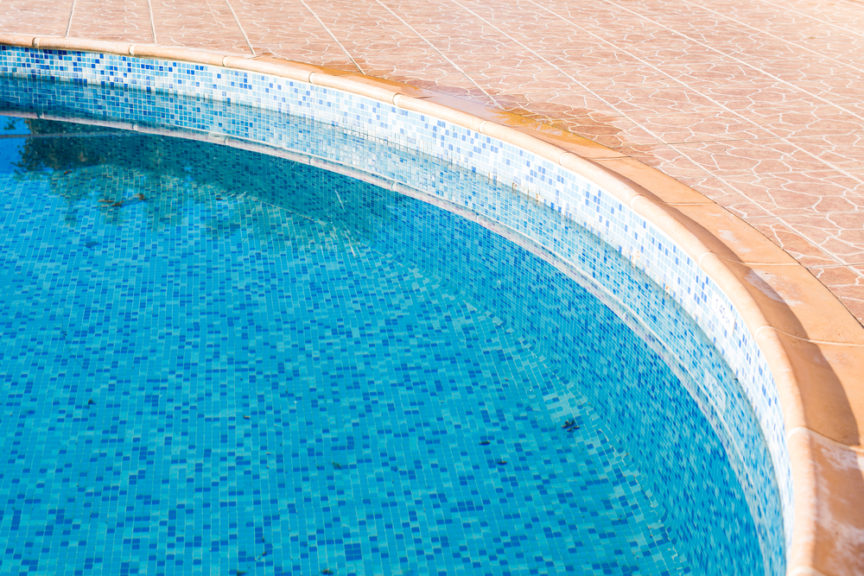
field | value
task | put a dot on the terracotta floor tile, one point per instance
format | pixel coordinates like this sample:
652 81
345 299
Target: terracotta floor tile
693 124
727 196
129 21
752 31
756 156
823 15
207 24
790 238
42 17
841 276
834 243
805 121
289 30
672 160
795 27
854 303
768 63
801 192
846 282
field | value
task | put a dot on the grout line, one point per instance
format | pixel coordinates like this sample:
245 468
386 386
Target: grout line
717 175
721 140
772 35
795 261
730 57
333 36
619 111
770 328
555 66
152 20
798 430
814 341
60 135
849 265
242 31
787 8
69 22
440 53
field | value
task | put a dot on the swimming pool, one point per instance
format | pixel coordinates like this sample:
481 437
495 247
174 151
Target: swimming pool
510 296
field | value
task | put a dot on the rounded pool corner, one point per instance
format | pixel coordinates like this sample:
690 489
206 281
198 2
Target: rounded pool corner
757 339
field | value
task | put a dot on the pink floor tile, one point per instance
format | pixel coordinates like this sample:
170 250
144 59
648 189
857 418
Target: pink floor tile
43 17
128 21
207 24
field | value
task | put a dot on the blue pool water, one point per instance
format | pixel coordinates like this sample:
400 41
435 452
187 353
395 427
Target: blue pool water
214 361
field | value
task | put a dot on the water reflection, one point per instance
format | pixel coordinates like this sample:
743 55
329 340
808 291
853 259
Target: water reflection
237 191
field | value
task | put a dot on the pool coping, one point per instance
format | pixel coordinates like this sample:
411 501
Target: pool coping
813 345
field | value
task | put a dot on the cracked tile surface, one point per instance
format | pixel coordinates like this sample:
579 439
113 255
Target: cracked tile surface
758 105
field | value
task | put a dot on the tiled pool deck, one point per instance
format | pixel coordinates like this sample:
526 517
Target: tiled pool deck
758 106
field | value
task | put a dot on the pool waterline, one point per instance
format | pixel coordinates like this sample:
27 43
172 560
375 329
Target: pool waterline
473 279
242 65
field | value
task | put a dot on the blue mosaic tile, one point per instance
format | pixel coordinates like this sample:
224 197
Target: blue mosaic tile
359 146
181 425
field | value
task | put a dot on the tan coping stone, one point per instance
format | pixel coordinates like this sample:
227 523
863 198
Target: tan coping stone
290 65
568 141
660 185
161 52
804 571
81 44
829 519
776 355
795 302
284 70
381 83
23 40
348 84
829 497
799 553
828 407
431 108
464 105
730 237
786 378
618 187
672 225
523 140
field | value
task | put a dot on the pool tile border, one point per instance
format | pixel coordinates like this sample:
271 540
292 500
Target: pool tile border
813 346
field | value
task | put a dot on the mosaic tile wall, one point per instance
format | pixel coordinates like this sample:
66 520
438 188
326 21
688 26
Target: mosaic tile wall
192 193
233 91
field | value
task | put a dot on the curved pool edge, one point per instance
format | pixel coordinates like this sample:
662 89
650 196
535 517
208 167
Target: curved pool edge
812 344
